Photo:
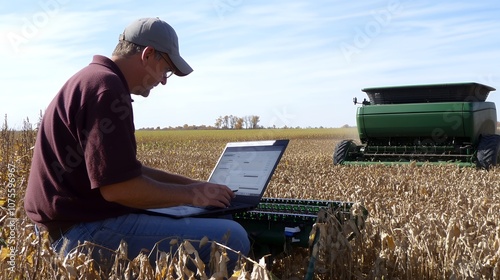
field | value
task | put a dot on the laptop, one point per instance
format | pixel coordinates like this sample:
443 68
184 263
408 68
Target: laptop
246 168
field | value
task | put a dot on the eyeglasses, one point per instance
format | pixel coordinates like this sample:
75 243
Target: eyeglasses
169 72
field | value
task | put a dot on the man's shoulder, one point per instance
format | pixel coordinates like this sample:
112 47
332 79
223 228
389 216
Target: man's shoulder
101 74
97 83
103 67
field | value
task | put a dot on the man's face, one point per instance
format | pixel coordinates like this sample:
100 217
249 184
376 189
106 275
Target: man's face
157 70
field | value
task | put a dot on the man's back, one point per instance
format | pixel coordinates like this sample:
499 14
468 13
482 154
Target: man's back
85 140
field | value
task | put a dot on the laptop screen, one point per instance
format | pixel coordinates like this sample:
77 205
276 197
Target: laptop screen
247 166
243 166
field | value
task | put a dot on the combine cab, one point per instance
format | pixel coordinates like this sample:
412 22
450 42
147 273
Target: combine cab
441 123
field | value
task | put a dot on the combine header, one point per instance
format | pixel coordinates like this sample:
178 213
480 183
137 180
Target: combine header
439 123
278 225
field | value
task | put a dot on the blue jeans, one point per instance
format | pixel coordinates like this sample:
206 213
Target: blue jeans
142 231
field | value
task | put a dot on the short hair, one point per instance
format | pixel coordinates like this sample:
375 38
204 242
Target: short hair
127 49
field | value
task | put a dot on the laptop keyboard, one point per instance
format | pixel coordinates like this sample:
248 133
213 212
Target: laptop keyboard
233 204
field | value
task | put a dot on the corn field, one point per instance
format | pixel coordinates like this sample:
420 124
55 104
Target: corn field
425 222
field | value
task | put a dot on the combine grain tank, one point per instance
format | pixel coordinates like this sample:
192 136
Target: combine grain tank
425 123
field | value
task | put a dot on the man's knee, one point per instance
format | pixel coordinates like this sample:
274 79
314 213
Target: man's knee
238 239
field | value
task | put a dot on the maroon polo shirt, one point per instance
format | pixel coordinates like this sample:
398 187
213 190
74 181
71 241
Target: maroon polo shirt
86 140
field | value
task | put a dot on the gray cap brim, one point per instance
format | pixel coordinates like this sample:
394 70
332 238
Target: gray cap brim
159 35
182 66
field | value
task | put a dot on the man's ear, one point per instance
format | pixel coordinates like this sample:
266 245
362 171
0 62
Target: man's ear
147 54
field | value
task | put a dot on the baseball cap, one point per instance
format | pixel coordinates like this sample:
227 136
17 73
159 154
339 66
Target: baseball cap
161 36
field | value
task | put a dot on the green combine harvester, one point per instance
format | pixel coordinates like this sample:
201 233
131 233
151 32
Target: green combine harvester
438 123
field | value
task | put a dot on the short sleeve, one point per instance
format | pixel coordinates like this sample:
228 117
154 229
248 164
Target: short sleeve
107 137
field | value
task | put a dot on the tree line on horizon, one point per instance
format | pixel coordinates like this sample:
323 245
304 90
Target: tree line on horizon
234 122
222 122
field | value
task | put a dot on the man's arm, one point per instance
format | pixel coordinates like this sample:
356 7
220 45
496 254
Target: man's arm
144 192
166 177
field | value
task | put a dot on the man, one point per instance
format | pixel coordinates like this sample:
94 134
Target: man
86 183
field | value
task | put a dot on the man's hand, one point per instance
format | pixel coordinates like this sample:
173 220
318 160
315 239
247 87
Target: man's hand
209 194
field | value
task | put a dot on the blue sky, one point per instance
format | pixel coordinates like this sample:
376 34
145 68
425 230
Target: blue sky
293 63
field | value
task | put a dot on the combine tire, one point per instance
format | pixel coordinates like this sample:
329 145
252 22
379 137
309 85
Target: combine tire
488 151
341 151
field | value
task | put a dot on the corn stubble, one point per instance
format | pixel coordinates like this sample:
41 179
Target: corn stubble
427 222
